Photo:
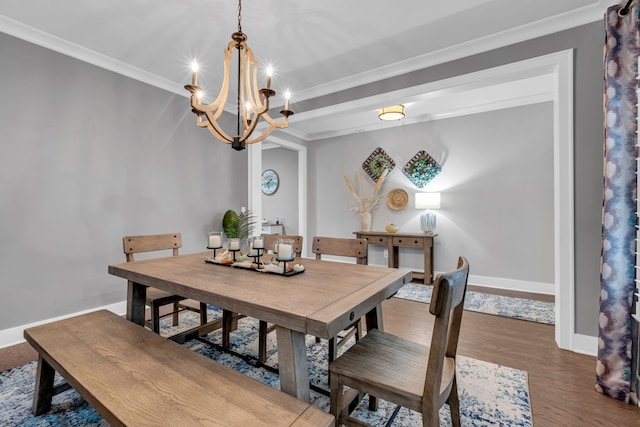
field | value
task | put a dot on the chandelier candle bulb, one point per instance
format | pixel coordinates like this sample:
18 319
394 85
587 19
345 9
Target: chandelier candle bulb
287 96
194 73
269 74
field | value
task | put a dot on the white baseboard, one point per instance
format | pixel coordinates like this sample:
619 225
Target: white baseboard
513 284
13 336
585 344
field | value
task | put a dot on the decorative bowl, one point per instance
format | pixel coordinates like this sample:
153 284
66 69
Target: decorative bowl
391 228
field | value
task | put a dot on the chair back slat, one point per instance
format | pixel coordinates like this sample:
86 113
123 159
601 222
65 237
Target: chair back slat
447 302
270 240
355 248
154 242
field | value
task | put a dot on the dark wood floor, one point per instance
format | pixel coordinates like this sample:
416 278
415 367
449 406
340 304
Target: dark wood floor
561 383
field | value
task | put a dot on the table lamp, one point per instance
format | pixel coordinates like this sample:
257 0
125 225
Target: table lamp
426 202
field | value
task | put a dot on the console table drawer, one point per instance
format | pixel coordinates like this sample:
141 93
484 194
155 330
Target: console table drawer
376 240
408 241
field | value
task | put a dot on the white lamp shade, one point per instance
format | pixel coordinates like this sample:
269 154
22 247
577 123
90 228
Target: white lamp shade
427 200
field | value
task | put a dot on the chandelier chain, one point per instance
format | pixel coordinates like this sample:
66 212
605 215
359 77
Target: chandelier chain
240 16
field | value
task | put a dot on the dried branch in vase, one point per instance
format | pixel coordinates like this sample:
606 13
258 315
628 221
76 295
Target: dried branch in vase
362 203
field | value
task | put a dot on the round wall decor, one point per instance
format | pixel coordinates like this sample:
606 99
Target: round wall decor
397 199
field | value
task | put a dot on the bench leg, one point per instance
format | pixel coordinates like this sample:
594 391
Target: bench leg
176 313
203 313
262 341
155 318
44 388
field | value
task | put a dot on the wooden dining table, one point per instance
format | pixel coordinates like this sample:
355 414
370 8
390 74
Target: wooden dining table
321 301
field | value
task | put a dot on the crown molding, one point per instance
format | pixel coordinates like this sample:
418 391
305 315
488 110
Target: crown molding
57 44
554 24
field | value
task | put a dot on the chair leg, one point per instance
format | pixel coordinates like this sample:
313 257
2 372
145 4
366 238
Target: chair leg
203 314
336 398
262 341
176 309
333 349
155 318
454 404
431 413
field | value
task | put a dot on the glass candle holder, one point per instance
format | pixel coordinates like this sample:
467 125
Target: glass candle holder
234 244
284 250
254 250
258 242
215 240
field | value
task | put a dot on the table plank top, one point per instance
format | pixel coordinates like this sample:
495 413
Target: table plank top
319 301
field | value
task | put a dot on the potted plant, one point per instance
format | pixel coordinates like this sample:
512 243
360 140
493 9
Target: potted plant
238 225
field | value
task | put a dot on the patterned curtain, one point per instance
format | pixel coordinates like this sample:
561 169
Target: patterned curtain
617 274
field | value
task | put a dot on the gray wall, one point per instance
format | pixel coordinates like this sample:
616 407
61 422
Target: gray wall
496 185
283 203
587 42
88 156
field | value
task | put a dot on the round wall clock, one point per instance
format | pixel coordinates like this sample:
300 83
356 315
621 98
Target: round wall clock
270 181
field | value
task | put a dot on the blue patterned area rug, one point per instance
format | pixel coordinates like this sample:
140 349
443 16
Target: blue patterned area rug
515 308
490 395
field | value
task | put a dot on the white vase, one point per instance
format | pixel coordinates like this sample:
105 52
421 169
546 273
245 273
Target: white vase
365 221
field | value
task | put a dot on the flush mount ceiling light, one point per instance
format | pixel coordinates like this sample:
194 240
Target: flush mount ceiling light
252 103
395 112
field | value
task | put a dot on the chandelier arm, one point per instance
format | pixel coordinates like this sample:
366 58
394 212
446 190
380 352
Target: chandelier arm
273 122
265 134
221 100
249 130
215 128
251 77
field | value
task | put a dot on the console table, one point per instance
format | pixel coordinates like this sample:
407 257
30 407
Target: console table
394 240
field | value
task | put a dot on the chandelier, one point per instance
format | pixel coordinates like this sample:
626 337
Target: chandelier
252 102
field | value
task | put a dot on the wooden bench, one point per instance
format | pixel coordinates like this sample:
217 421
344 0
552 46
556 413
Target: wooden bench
133 377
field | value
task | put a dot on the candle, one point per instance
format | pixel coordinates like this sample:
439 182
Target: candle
287 96
269 73
215 241
258 243
194 73
234 244
285 251
252 250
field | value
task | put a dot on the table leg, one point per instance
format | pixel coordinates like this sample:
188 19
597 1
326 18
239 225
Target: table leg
44 387
136 298
374 318
292 361
428 261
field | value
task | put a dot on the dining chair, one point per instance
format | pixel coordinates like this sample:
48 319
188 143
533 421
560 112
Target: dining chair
415 376
351 248
155 298
263 328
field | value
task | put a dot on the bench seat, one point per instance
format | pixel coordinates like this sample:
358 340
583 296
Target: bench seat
133 377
